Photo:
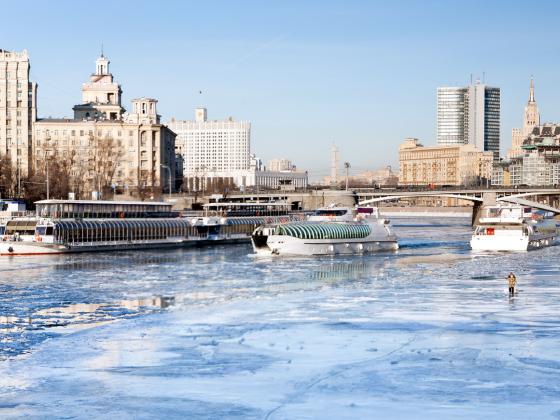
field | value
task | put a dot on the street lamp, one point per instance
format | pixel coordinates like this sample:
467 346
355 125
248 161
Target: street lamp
347 166
47 166
169 177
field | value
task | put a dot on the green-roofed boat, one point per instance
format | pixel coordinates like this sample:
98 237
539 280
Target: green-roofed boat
329 231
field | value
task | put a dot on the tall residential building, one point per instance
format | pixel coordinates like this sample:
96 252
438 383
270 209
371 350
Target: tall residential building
463 164
469 115
213 148
18 109
106 146
531 119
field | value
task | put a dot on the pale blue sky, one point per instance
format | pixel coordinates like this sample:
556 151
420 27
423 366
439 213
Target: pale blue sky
305 73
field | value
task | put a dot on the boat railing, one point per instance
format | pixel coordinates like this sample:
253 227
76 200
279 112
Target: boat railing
11 214
502 219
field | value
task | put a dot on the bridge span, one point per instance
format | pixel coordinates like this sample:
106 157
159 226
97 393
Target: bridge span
544 199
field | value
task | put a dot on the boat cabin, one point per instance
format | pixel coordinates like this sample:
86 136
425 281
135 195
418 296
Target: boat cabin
251 209
505 214
93 209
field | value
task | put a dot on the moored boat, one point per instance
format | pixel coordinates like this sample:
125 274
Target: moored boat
512 227
64 226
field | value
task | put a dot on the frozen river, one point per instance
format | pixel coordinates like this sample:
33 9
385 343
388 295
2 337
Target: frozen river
427 332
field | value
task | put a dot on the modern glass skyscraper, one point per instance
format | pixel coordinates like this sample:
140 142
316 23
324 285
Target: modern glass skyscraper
451 116
469 115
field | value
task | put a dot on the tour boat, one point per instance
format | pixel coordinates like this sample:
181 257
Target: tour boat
63 226
329 231
512 227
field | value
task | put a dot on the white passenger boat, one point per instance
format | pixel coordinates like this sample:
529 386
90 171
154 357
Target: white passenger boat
330 231
511 227
63 226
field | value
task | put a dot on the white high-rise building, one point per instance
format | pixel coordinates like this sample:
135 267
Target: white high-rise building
451 116
469 115
213 148
18 109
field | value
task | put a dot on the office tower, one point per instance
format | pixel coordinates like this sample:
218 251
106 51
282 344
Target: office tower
469 115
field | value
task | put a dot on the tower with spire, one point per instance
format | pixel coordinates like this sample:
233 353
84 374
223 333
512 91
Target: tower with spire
101 96
531 119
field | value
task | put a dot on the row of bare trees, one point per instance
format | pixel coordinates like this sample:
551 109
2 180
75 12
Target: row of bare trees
79 172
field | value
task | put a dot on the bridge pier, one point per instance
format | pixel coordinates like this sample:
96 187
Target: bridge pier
476 212
488 199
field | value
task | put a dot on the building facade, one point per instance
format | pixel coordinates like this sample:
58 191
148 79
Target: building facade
443 165
219 148
538 162
18 110
279 165
531 119
284 180
451 114
469 115
101 96
105 146
216 154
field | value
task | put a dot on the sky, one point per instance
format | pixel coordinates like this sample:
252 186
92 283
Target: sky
306 74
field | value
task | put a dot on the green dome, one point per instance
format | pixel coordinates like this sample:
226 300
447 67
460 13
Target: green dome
322 230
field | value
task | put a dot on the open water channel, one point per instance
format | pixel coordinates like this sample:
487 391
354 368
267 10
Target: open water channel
426 332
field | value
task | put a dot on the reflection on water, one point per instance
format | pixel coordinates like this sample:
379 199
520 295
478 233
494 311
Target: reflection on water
82 313
339 271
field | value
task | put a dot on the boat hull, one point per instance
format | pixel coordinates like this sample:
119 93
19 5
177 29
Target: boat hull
37 248
510 243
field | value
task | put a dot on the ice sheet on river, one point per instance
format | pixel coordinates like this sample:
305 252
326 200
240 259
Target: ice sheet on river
342 338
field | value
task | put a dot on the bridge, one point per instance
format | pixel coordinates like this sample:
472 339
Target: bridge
543 199
547 199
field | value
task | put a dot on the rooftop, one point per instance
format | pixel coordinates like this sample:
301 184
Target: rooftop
144 203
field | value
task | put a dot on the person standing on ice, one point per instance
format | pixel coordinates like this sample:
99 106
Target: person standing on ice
512 280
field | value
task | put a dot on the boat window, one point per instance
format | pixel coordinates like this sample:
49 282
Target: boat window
331 212
2 230
41 230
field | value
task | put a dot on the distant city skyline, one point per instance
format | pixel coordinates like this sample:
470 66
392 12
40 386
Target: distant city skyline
363 76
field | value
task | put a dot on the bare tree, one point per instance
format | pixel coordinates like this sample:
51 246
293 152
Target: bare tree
103 158
8 177
59 170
